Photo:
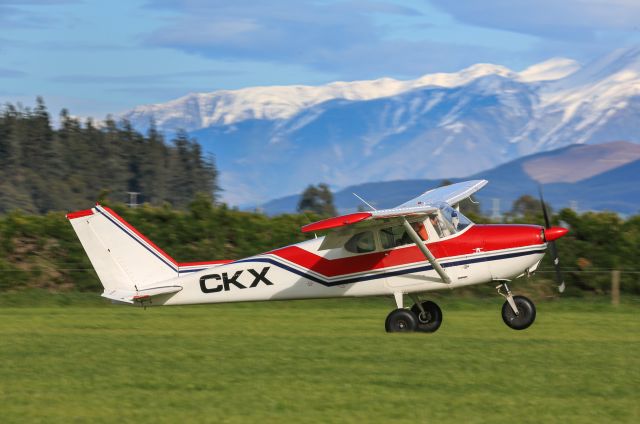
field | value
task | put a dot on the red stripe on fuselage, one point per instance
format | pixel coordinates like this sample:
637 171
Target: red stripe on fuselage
484 237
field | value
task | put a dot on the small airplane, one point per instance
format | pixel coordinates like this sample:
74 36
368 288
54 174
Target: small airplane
423 245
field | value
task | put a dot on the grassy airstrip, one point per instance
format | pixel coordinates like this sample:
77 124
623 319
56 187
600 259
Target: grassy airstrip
73 358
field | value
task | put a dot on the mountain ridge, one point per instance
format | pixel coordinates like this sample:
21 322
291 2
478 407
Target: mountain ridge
270 141
224 107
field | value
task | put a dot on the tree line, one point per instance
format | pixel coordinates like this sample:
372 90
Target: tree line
71 167
43 170
43 251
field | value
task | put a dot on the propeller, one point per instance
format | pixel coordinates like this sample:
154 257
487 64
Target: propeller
552 244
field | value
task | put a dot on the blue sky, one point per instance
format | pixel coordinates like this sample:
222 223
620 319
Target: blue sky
97 57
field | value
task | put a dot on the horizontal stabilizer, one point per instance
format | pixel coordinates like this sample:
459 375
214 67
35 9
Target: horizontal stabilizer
129 296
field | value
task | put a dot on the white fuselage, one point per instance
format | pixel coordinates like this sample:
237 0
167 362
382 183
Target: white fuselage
302 271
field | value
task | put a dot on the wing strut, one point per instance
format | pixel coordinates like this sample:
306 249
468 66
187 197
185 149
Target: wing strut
427 254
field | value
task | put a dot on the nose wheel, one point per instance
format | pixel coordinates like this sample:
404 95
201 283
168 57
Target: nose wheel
518 312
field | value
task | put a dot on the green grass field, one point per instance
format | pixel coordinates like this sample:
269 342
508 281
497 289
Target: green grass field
70 359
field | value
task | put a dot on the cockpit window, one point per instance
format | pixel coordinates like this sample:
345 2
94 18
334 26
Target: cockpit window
393 236
361 243
438 225
397 236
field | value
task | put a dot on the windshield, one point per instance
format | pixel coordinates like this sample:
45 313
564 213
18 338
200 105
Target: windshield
449 221
453 221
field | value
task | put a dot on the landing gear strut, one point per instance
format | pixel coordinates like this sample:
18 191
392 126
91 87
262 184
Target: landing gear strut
429 315
425 317
518 312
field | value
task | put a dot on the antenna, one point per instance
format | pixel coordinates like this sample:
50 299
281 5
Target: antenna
573 205
495 208
364 201
309 221
133 199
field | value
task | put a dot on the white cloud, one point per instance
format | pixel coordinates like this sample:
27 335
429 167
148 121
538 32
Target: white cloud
11 73
344 38
565 19
24 14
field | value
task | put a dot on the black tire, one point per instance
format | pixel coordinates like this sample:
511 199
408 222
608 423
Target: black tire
401 320
527 313
431 320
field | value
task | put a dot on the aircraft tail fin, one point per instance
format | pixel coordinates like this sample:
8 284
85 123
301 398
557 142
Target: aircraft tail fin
128 264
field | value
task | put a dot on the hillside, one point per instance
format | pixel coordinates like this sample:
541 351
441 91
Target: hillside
597 177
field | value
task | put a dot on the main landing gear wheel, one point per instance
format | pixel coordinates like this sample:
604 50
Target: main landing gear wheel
429 320
401 320
526 313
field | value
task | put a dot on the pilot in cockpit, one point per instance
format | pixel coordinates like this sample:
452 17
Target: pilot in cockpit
419 228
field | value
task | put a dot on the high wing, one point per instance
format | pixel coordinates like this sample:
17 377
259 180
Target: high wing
426 203
451 194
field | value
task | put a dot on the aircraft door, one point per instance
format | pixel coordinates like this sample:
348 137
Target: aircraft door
400 255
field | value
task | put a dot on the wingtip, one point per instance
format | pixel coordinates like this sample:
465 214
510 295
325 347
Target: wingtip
338 221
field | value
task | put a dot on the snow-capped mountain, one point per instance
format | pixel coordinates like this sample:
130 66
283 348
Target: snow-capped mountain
273 141
201 110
